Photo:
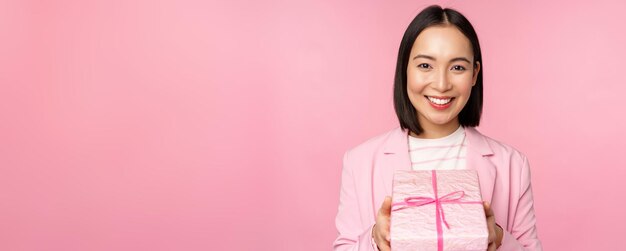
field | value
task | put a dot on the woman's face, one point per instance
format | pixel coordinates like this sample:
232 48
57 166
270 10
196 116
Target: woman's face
440 75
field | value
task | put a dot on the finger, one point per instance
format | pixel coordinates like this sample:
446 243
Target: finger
491 222
492 229
381 236
381 243
385 209
491 226
491 247
383 228
488 210
384 246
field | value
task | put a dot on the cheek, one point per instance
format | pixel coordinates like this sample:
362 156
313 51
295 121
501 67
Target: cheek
415 89
465 89
464 84
415 82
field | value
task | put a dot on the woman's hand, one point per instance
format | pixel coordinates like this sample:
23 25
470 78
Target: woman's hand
380 232
495 232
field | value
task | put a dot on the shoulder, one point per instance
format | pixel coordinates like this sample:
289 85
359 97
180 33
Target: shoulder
372 144
504 154
367 149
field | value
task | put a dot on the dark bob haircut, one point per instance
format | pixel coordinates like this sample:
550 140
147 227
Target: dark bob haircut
435 15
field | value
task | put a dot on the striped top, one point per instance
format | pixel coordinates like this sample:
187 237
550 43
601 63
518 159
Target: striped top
444 153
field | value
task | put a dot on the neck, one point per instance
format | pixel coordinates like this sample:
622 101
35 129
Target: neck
437 131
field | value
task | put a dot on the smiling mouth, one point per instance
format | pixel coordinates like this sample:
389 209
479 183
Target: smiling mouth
439 100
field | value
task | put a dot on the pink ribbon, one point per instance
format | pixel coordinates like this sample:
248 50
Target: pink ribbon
418 201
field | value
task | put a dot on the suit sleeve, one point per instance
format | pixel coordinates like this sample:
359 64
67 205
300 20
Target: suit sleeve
522 233
353 235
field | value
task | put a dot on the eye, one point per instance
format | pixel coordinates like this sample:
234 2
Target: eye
424 66
458 68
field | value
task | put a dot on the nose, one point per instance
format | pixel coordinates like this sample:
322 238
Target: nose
442 84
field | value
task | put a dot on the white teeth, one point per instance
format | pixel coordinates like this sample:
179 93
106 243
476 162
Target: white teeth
439 101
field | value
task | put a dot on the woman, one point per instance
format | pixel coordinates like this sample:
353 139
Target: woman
438 101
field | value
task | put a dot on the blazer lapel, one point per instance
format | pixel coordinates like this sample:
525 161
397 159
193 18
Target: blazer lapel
394 155
478 152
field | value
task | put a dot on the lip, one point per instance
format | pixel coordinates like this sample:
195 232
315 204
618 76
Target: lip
440 107
439 97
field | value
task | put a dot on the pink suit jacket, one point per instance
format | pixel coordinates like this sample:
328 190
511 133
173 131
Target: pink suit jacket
367 173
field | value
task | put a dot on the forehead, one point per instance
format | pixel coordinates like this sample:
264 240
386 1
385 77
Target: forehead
442 41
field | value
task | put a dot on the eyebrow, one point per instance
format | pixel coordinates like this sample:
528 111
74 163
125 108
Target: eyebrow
451 60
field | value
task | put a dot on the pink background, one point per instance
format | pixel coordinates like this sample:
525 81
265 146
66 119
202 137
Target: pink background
187 125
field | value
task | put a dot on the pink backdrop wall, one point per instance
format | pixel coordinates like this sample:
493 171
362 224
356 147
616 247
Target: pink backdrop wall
187 125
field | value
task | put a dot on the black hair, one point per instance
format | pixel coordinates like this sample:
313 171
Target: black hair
435 15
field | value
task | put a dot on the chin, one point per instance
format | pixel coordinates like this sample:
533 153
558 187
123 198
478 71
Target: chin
439 121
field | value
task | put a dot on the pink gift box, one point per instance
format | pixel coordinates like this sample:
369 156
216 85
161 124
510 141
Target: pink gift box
437 210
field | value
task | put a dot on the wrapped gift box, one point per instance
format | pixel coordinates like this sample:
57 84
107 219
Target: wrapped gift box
437 210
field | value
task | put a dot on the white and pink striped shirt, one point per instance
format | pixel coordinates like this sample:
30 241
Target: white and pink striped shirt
446 153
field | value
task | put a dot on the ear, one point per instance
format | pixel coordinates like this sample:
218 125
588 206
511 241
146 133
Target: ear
476 70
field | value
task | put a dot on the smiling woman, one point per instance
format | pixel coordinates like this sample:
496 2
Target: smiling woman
439 50
440 78
438 99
